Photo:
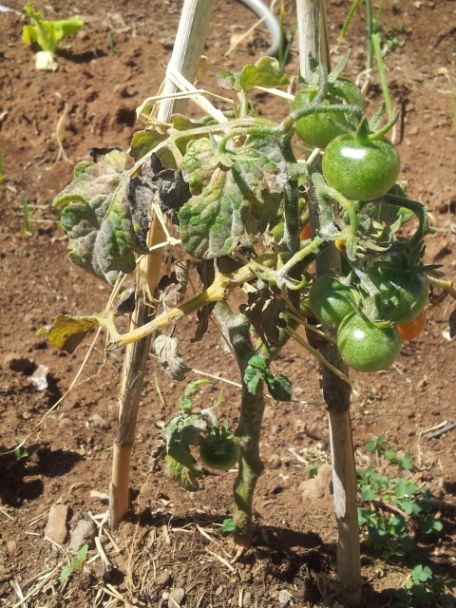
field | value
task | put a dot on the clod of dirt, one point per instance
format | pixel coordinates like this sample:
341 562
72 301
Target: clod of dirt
56 528
83 533
319 487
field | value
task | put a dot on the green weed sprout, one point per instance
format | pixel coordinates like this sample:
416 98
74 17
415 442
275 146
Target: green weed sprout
46 34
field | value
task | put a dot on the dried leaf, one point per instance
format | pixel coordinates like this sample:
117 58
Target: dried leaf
166 349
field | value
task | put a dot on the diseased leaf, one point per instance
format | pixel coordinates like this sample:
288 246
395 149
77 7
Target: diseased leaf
97 218
263 310
238 203
166 349
67 331
265 73
144 141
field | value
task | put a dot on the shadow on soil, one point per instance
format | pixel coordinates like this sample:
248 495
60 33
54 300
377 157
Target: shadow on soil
15 473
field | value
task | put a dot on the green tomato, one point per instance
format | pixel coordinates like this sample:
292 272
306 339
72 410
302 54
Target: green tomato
330 300
219 452
318 130
404 294
366 347
349 92
361 171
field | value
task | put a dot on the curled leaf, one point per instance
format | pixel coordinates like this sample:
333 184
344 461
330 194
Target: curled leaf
166 350
98 218
67 331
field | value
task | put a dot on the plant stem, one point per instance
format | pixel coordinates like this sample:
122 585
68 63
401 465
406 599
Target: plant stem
237 328
190 40
335 391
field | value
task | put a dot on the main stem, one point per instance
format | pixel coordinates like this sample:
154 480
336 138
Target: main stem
313 42
189 46
237 330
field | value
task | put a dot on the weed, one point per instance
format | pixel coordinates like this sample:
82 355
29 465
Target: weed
19 457
423 588
76 565
228 526
395 508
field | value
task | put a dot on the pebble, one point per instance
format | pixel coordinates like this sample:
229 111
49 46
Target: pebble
176 597
163 580
284 597
40 378
83 533
247 600
56 528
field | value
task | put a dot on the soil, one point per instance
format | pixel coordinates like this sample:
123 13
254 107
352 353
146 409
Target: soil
170 540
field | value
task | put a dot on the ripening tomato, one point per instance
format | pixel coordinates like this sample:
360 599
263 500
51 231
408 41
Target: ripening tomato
413 328
330 300
219 452
366 347
305 233
404 294
361 171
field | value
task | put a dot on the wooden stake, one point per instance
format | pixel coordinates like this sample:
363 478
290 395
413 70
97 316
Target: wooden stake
313 41
190 40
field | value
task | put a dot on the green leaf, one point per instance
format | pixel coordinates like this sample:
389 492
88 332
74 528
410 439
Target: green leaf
280 387
48 33
238 203
66 572
144 141
265 73
228 526
98 219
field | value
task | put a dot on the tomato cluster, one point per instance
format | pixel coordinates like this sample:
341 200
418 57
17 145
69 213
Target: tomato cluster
381 297
371 315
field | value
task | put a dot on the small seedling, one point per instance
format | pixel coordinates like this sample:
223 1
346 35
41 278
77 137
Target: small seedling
228 526
46 34
20 456
76 565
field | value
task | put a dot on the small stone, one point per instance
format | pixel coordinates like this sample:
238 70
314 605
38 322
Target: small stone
163 580
284 597
39 378
56 528
247 600
97 422
11 547
84 533
176 597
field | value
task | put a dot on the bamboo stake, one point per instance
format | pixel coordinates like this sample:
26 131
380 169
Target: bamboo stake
190 40
313 41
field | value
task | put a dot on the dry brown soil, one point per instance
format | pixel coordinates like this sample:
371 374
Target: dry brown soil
48 121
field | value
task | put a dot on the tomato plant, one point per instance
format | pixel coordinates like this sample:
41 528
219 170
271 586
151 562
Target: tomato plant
413 328
361 170
229 190
365 346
